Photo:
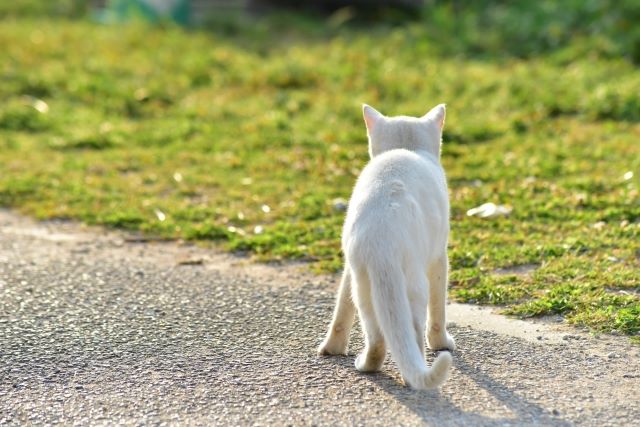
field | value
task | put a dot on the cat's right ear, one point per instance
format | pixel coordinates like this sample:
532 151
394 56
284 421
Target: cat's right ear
371 116
437 115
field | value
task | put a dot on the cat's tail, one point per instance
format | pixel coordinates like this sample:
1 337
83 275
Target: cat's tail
392 308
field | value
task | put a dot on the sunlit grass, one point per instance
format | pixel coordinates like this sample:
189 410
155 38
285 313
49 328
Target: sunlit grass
232 139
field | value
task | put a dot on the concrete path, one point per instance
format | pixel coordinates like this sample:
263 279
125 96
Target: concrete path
102 328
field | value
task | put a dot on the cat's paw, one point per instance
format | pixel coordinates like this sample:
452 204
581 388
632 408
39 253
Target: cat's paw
331 347
441 341
366 363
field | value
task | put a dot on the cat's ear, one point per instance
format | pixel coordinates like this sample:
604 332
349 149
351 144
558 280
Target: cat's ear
371 116
437 115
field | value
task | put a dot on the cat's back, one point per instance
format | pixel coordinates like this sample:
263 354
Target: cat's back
397 181
400 196
386 173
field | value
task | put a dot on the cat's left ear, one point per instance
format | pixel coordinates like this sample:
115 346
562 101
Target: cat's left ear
371 116
437 115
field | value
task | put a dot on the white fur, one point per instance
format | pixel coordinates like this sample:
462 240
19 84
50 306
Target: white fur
395 245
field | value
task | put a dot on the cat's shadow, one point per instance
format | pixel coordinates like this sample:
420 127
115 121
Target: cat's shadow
435 407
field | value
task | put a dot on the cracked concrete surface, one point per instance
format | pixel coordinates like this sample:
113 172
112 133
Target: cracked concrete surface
100 328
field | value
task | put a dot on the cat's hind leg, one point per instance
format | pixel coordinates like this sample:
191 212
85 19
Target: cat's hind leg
337 339
437 336
374 353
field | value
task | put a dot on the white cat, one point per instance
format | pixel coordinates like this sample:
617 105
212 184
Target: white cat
395 245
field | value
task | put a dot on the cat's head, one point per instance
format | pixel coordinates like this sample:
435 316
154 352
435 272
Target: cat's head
411 133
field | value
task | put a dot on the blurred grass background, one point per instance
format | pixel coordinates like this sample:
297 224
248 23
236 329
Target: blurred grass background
245 130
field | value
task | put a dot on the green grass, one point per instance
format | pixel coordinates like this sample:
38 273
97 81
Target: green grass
244 136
